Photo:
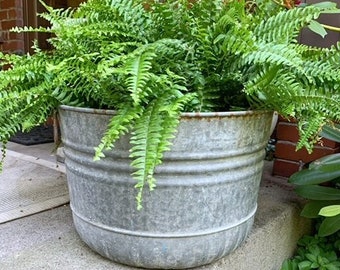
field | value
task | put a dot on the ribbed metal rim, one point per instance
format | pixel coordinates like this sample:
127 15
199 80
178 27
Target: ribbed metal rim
186 114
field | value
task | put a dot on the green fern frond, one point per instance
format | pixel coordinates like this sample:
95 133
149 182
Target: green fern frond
121 18
27 29
56 17
138 74
257 82
236 42
285 25
231 17
321 72
32 107
272 89
329 55
273 54
152 136
119 125
145 140
309 129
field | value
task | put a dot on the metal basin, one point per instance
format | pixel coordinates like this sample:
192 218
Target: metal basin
206 196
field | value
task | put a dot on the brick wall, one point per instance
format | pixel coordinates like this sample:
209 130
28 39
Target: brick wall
11 15
287 159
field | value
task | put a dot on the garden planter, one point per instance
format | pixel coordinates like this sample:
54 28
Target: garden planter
206 196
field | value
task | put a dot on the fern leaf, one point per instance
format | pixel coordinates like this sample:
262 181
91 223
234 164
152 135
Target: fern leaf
274 54
145 139
119 125
284 25
152 136
138 71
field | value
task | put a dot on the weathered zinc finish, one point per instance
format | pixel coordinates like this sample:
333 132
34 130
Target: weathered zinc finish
206 196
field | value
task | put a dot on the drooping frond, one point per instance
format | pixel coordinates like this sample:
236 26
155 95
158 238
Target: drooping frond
119 125
137 70
151 137
145 140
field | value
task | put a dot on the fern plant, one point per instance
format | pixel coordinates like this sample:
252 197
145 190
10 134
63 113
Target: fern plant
152 60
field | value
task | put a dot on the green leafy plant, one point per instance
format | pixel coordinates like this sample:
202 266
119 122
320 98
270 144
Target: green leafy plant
320 184
152 60
315 252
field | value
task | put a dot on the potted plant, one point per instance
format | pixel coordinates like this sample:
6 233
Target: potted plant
169 71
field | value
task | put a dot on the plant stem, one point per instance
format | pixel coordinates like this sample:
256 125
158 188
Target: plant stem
329 27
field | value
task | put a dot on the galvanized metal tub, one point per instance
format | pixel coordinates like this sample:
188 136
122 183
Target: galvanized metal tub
205 200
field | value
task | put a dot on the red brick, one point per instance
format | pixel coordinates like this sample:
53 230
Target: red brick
15 13
6 25
7 4
287 132
286 168
15 36
3 14
13 46
287 150
328 143
4 35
